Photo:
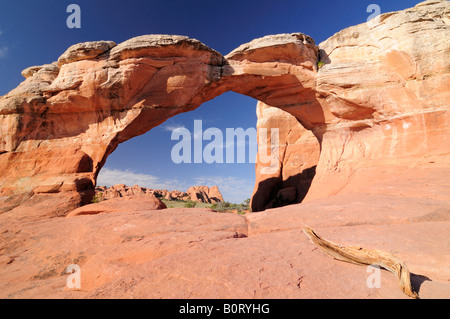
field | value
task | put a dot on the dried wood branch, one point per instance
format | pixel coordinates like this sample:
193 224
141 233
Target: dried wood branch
361 256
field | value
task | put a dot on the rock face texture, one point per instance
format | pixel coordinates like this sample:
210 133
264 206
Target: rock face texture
374 122
202 194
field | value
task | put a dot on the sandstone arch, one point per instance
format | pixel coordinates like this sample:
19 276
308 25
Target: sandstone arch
67 117
380 91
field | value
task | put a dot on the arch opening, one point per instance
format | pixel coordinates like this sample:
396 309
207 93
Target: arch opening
148 158
149 163
87 104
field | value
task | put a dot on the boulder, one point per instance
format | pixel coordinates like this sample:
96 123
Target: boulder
215 195
121 204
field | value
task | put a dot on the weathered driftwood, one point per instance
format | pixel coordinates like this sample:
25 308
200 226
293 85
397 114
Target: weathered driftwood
361 256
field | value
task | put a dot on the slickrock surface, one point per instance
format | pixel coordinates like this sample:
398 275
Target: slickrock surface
198 253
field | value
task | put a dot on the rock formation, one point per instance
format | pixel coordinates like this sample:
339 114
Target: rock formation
202 194
120 190
374 121
383 87
197 253
386 84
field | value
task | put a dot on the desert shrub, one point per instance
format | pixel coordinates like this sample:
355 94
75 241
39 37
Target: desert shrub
219 207
190 204
97 198
246 204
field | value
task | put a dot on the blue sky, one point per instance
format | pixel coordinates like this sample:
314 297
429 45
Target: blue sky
35 33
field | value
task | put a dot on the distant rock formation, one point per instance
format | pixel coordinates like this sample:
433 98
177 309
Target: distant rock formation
205 195
202 194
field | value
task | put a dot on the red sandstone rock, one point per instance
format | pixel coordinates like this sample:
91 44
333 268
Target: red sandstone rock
205 194
85 51
387 85
215 195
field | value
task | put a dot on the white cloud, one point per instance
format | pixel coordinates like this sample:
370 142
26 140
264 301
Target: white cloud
171 127
109 177
3 51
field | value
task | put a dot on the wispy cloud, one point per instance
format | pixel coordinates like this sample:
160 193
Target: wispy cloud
109 177
3 51
171 125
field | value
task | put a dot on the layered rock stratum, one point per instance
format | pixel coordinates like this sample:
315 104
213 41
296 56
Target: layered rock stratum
364 121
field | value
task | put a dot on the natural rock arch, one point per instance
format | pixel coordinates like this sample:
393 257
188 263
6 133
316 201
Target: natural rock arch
376 96
70 115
